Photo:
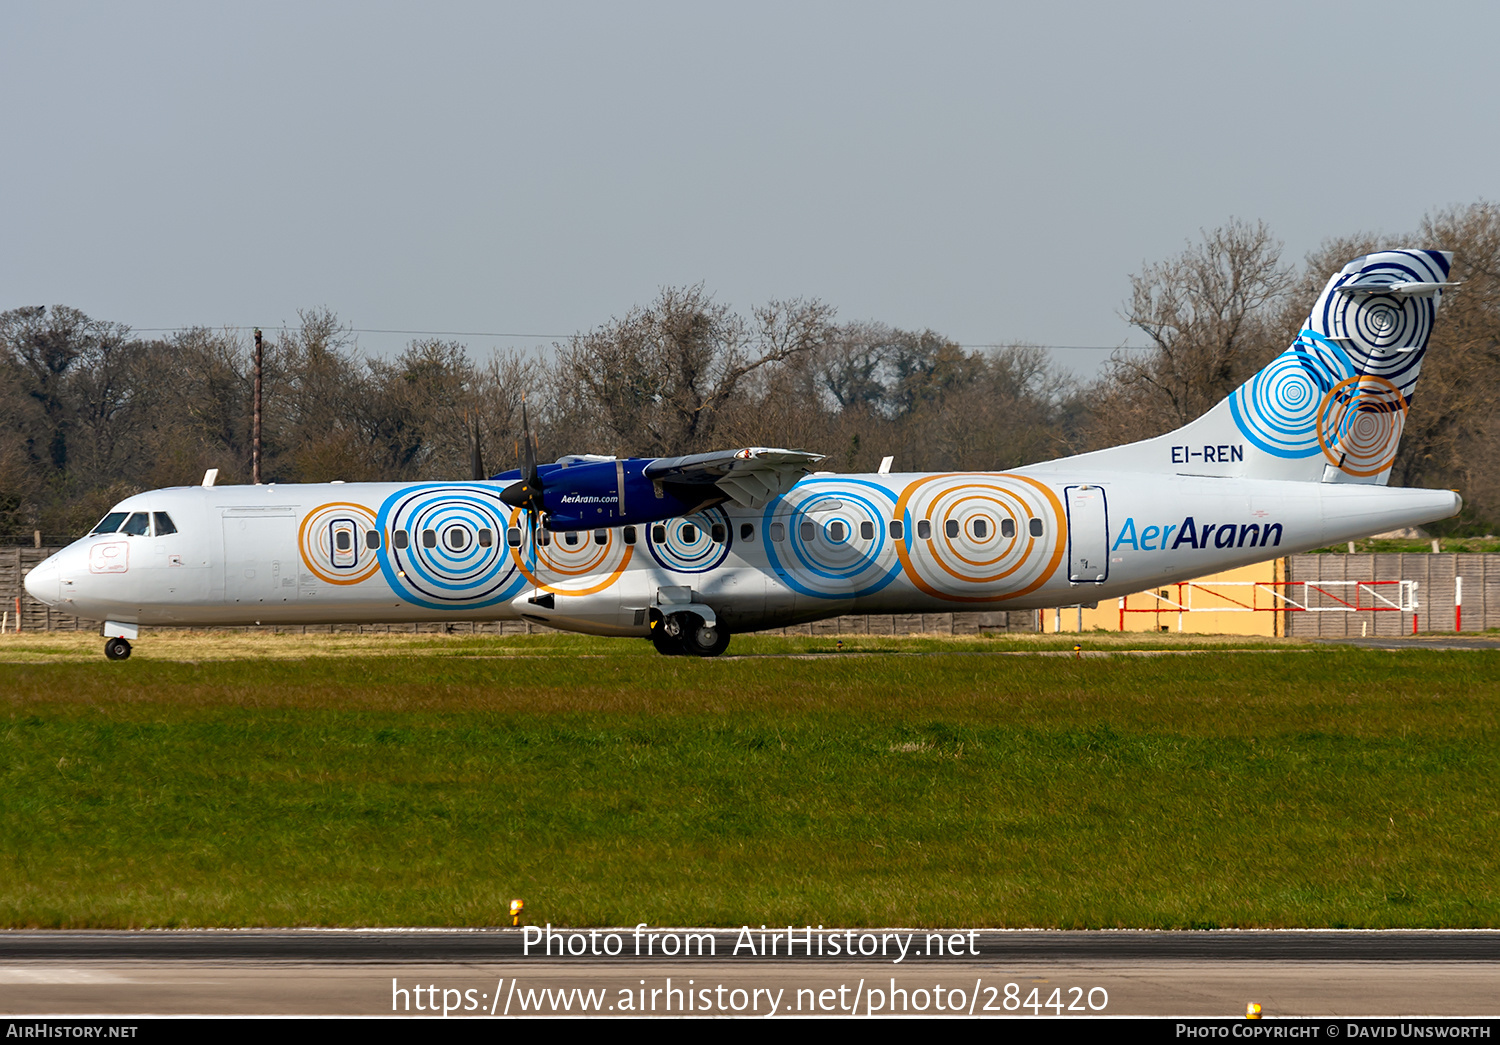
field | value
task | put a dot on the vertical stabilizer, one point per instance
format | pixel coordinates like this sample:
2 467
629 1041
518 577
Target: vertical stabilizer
1331 408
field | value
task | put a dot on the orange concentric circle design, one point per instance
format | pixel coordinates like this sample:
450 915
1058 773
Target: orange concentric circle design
552 565
980 547
332 543
1359 424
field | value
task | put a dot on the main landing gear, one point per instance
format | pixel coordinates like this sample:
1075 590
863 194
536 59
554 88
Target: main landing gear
117 648
687 633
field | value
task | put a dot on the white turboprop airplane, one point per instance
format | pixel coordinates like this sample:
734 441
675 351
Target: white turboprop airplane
687 550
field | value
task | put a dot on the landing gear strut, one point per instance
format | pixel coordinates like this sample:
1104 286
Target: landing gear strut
116 649
665 644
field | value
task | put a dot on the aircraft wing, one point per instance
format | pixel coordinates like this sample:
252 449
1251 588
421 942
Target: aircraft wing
750 476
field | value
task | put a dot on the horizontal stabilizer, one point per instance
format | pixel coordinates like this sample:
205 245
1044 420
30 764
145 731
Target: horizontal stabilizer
1401 288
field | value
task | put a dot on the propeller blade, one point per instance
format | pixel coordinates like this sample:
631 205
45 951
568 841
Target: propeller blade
476 455
527 493
528 470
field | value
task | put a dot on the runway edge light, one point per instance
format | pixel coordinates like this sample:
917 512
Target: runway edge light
516 907
1252 1011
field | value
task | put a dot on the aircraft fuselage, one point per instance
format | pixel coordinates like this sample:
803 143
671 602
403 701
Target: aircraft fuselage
831 545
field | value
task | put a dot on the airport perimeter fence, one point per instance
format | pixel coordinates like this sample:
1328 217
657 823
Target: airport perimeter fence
1435 574
1438 587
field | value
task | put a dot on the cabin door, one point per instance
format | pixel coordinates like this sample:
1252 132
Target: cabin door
1088 535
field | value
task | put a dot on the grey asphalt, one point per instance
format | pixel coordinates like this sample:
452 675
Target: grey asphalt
484 972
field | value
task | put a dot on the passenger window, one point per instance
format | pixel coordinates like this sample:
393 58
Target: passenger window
342 540
570 539
924 530
401 540
1036 527
659 534
951 528
545 536
718 534
372 539
429 538
835 531
109 524
629 535
601 536
897 530
513 536
981 529
1007 528
689 533
486 537
137 525
806 529
747 531
778 532
163 523
867 531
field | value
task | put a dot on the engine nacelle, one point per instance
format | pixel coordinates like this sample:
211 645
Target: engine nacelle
601 494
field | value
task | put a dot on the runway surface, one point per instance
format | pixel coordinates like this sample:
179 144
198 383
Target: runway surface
485 972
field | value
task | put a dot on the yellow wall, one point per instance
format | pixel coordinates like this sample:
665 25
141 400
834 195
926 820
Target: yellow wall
1209 598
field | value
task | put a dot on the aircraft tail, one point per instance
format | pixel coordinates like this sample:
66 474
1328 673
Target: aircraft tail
1331 408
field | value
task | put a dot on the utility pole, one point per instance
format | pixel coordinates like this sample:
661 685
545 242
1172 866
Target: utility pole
255 434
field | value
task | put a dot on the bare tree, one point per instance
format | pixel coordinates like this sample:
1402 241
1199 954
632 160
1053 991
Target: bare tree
657 382
1452 435
51 353
1208 314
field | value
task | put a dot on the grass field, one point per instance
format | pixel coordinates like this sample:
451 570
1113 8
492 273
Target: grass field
251 779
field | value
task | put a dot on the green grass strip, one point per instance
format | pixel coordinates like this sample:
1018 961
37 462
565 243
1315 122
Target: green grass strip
1337 788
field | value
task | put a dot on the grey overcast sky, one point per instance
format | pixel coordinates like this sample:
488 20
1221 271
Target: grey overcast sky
992 171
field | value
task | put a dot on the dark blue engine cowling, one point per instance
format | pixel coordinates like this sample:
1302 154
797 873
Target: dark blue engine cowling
587 495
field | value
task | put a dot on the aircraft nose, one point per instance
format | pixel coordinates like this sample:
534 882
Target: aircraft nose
42 583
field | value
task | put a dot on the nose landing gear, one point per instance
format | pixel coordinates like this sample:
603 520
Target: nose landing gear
117 648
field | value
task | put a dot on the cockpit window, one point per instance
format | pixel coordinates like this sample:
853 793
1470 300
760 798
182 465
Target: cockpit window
109 524
138 525
163 523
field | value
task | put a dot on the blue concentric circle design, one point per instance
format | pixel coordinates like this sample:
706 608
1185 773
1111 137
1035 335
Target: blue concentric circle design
1278 408
828 563
1371 333
1384 334
459 571
698 555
